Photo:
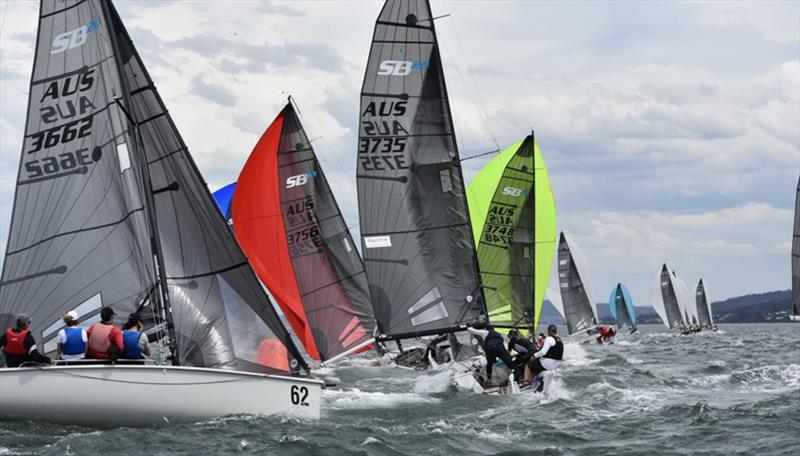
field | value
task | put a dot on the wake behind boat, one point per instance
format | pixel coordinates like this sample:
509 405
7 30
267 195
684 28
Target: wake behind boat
111 211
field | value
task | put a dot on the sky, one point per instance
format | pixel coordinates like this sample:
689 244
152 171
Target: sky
671 130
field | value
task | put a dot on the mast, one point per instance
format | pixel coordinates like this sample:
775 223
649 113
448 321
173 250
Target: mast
534 322
159 271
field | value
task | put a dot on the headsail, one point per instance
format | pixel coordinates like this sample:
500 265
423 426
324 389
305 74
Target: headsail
416 236
502 199
223 198
620 304
79 237
705 316
665 302
796 256
579 310
287 221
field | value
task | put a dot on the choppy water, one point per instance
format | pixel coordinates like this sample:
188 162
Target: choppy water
730 393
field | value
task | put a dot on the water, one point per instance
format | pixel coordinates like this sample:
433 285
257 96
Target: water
736 392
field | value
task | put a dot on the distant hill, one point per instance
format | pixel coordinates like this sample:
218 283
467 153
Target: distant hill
769 307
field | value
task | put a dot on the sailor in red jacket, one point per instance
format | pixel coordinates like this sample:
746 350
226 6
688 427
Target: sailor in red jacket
105 339
19 346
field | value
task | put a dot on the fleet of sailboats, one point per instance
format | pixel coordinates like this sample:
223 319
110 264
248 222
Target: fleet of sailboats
110 210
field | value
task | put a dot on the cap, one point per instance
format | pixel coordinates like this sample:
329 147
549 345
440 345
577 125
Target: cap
107 313
71 315
23 319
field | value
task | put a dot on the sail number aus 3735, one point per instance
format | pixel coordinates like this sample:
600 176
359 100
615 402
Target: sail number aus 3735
381 154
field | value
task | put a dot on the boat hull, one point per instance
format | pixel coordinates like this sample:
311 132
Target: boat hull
113 396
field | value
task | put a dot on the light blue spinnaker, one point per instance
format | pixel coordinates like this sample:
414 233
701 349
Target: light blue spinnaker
620 304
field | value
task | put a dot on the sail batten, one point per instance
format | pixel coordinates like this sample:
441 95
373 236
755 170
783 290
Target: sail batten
417 244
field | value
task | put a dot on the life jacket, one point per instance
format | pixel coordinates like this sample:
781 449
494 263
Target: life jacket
74 344
15 342
523 342
130 343
556 352
493 338
100 340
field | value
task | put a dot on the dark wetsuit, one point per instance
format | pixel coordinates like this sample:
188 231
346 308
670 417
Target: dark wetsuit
525 349
493 345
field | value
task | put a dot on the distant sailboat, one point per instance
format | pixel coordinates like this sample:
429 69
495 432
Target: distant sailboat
110 210
795 316
579 310
705 315
416 235
620 304
290 227
514 262
667 304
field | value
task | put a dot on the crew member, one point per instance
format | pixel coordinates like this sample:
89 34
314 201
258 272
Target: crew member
524 348
134 341
105 339
549 357
72 339
606 334
493 348
19 346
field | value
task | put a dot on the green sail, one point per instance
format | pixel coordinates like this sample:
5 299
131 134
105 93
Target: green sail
508 203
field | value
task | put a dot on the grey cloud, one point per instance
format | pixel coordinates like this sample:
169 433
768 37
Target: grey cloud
279 8
213 92
259 57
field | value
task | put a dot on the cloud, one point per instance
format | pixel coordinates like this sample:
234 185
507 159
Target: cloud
214 92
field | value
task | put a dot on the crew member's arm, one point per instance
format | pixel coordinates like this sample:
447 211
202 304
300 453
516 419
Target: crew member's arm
144 345
482 333
33 352
548 342
3 340
62 339
116 338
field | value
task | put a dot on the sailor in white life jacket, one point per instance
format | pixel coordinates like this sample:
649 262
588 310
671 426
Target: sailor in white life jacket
549 356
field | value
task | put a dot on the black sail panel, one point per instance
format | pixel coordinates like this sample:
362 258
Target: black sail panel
213 292
578 310
670 299
796 254
330 274
703 310
418 249
78 237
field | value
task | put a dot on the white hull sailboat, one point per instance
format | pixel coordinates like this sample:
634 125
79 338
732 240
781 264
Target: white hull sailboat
149 394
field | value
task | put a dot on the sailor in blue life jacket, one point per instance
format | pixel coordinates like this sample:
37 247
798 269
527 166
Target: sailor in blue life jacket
72 339
134 341
493 348
19 346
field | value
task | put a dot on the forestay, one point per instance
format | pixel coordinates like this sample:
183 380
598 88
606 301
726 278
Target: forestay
416 236
102 166
579 311
514 268
289 225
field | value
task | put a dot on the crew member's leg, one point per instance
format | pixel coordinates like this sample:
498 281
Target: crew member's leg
491 357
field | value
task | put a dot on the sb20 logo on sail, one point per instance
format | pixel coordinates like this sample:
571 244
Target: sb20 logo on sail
300 179
74 38
400 67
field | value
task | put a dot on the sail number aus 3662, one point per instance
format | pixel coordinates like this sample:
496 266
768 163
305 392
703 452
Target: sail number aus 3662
61 135
62 163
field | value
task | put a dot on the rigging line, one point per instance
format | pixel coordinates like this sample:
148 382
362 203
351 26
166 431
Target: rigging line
481 155
472 77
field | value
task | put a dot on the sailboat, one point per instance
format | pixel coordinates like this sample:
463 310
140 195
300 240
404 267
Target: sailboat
666 304
287 221
110 210
705 316
514 220
795 315
620 304
417 244
579 310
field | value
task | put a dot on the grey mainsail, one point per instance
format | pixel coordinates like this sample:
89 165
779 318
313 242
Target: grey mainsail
669 297
106 185
417 241
796 256
704 315
578 308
